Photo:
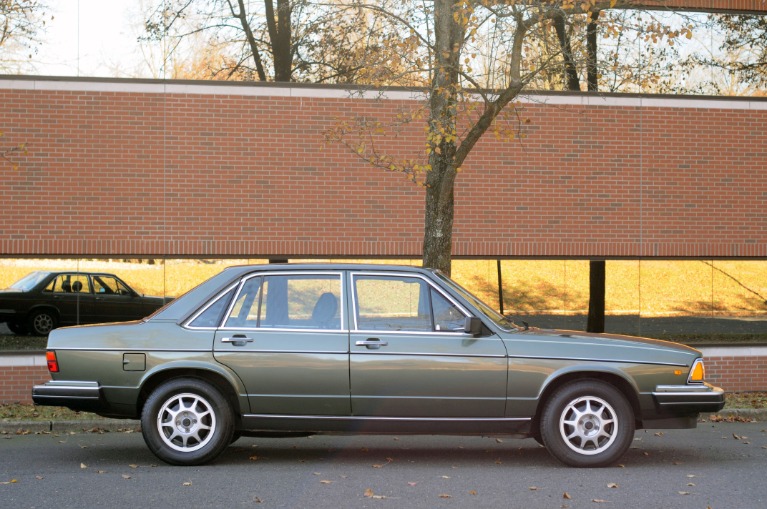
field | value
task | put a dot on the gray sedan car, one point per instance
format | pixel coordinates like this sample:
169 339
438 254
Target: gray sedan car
344 348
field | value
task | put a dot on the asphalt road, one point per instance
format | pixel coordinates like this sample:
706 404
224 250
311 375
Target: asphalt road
718 465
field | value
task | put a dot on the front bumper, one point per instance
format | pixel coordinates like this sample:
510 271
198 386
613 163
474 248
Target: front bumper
689 399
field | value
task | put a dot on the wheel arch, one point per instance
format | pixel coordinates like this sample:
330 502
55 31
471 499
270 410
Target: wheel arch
216 379
623 385
43 307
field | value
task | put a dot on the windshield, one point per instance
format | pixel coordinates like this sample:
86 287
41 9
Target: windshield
29 281
497 318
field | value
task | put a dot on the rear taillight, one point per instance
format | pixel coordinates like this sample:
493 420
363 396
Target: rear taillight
53 363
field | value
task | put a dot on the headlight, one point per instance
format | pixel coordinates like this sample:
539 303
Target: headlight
697 372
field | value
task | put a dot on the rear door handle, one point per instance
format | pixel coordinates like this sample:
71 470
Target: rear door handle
237 340
372 343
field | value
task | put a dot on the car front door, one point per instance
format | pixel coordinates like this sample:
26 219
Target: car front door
114 301
410 356
285 336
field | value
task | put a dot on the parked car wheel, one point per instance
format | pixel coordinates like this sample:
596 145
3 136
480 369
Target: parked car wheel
587 423
187 422
42 322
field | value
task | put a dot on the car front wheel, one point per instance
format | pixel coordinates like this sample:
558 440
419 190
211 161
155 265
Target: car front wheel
587 423
187 422
42 322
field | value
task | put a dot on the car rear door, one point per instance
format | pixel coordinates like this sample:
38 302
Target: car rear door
285 336
71 295
411 358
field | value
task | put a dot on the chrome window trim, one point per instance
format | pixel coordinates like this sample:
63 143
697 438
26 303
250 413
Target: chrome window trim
353 274
186 323
241 282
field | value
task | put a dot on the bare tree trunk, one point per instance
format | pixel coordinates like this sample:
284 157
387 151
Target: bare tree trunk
438 226
571 72
280 35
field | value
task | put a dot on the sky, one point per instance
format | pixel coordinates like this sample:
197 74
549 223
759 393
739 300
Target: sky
91 38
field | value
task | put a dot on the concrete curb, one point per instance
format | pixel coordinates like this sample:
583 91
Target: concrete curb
127 425
759 415
77 426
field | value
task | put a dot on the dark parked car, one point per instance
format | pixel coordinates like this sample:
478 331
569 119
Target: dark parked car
342 348
42 301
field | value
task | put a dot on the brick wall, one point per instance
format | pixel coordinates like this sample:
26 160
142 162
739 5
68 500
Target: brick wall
735 369
207 169
18 373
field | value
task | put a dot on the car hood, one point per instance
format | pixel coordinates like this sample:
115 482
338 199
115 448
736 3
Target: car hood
607 347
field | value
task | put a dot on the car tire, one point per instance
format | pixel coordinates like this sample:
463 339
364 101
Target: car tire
41 322
187 422
587 423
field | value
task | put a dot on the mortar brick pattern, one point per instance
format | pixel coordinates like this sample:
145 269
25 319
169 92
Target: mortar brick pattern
196 169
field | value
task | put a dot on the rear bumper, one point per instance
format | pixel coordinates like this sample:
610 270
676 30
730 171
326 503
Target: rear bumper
80 396
688 399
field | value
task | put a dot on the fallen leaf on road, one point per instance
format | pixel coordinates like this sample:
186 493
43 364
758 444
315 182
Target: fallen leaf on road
612 485
370 494
388 460
566 496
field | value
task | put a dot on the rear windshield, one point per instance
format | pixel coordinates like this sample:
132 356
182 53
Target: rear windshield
29 281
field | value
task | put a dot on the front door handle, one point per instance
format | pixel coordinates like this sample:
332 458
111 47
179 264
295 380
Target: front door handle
237 340
372 343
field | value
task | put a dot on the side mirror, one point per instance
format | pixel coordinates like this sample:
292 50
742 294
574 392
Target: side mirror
473 325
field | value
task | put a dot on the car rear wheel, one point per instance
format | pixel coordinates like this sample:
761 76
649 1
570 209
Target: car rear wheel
42 322
587 423
187 422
